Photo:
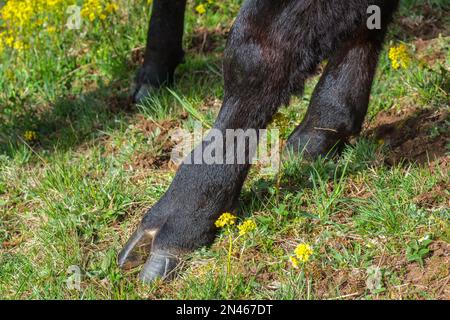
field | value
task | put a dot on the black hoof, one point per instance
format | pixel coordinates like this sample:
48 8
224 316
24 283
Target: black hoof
150 78
160 265
142 92
136 250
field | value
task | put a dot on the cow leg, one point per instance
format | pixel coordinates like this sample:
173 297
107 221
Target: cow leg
164 47
183 219
269 39
340 100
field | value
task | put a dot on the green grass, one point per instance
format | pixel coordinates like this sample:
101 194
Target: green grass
74 195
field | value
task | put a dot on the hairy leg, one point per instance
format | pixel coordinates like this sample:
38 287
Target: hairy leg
340 100
164 47
268 40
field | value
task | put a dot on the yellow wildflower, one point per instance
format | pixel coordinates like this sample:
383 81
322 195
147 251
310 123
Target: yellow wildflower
52 3
9 41
23 20
200 8
399 57
226 219
111 8
18 45
101 9
303 252
294 262
30 135
246 227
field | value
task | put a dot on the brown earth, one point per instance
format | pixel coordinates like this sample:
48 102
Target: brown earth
408 134
434 277
428 51
161 158
205 40
430 24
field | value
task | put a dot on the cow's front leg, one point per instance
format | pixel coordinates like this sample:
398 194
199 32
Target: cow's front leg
163 52
183 219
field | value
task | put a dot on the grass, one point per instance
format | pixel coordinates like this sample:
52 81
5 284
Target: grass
72 196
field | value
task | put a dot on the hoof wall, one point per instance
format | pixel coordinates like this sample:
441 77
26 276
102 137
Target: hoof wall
136 250
160 264
142 92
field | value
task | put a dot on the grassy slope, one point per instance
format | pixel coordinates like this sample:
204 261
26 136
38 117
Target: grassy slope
74 196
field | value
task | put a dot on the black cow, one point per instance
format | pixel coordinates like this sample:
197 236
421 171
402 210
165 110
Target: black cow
273 46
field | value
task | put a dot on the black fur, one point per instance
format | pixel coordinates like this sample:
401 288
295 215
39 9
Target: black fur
164 50
273 47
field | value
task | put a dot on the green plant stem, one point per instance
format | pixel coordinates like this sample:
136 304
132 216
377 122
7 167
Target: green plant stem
230 250
110 39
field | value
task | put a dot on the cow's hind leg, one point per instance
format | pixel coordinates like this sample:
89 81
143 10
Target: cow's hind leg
340 100
163 52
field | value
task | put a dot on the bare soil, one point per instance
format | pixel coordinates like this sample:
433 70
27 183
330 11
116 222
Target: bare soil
408 134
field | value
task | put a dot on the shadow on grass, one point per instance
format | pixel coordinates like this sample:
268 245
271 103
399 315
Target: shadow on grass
413 136
67 122
74 120
422 19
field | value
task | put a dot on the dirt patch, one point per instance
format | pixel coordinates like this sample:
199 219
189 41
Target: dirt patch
206 40
429 24
429 51
146 126
159 156
118 103
434 277
211 103
414 280
15 239
148 160
137 57
344 284
434 198
412 135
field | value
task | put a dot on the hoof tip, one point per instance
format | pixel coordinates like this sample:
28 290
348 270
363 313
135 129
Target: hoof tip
142 92
160 264
136 250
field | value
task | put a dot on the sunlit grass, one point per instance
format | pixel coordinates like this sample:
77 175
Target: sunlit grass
76 177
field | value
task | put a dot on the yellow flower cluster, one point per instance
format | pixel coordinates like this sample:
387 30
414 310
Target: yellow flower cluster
22 21
294 261
302 254
226 219
399 57
101 9
201 8
30 136
246 227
